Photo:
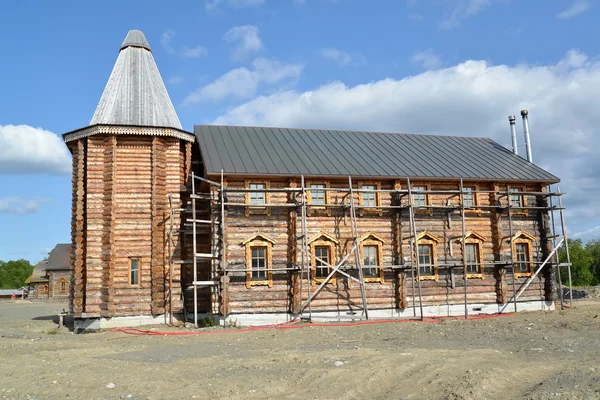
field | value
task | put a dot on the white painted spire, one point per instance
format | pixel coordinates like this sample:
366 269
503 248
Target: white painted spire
135 93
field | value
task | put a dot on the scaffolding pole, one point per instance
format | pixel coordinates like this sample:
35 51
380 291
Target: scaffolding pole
566 243
464 253
195 259
512 251
415 254
305 252
556 259
223 246
357 252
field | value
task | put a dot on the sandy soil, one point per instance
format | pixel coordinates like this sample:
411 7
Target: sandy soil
529 355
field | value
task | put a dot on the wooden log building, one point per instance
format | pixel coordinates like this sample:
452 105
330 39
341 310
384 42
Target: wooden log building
260 225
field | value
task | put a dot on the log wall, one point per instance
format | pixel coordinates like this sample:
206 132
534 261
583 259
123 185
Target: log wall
120 211
392 227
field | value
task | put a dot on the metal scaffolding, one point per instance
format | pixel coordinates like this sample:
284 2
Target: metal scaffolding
215 195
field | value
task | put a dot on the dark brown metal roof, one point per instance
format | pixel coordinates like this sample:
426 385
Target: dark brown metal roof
59 257
293 152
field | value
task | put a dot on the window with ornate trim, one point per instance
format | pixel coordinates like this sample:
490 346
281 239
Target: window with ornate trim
134 271
427 254
518 200
369 201
322 250
420 199
470 196
259 260
318 198
371 254
474 255
523 254
257 197
62 286
45 289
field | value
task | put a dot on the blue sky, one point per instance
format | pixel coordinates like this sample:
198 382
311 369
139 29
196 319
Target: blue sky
439 66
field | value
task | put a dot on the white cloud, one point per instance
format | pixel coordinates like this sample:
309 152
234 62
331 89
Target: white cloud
343 58
20 206
25 149
243 83
589 234
211 5
195 52
472 98
245 40
462 10
428 59
578 7
165 40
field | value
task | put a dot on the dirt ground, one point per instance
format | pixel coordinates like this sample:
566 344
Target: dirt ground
533 355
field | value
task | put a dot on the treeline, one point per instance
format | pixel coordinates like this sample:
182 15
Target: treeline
586 263
14 273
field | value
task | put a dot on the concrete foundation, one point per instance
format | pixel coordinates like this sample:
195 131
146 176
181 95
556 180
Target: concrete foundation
93 324
447 310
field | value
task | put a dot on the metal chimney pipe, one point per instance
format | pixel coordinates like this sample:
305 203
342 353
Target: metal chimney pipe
524 114
513 133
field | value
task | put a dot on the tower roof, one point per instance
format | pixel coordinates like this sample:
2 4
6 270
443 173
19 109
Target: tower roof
135 93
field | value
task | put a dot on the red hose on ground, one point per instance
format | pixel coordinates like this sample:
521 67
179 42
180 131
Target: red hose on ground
294 325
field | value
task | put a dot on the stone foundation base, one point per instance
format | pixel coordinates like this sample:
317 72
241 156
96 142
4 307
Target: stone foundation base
447 310
93 324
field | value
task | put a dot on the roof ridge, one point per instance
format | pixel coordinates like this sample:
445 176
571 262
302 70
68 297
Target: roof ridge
345 131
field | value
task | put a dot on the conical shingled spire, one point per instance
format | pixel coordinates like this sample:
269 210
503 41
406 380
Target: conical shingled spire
135 38
135 93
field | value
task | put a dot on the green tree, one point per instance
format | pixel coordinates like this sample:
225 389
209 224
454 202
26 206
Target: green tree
14 273
593 247
581 260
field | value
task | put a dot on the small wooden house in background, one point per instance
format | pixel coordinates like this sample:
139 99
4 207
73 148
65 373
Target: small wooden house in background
50 279
262 225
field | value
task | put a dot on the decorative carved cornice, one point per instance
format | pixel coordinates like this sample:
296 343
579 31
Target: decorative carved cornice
127 130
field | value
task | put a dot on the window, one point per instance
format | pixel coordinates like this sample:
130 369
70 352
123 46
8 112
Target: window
62 286
259 261
474 255
257 197
469 197
134 271
426 259
317 196
516 200
472 258
45 289
419 199
370 261
322 259
322 250
522 257
368 199
427 256
371 255
523 254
